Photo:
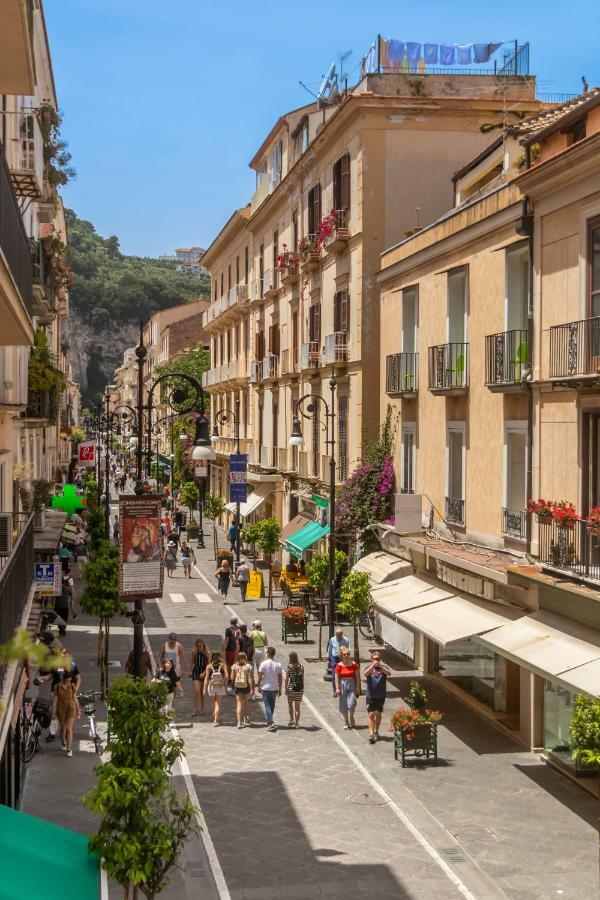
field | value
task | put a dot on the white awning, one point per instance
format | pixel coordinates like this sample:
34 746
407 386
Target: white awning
258 495
550 646
406 593
456 618
382 567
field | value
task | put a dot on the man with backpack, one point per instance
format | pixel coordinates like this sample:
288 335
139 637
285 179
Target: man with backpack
242 577
231 645
246 645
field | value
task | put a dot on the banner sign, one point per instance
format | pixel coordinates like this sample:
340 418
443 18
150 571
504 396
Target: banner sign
86 454
238 473
201 470
141 568
48 578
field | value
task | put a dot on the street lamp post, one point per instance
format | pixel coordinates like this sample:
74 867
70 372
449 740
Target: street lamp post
306 407
221 417
111 422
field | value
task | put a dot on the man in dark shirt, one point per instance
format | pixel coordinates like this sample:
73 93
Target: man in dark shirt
231 644
376 676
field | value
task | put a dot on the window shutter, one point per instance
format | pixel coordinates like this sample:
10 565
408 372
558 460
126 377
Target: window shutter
345 182
317 322
317 206
271 338
337 199
344 312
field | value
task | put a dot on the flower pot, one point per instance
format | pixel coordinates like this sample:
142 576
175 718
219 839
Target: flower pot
420 742
544 519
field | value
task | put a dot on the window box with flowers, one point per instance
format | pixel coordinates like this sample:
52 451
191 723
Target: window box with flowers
309 251
334 233
564 514
288 264
593 521
540 508
294 623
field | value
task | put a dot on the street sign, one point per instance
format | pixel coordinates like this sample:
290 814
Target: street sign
48 578
86 454
238 473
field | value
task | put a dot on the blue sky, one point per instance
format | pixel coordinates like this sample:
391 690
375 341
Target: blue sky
166 102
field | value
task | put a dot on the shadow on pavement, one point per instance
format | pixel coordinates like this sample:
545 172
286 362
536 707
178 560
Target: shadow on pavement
562 789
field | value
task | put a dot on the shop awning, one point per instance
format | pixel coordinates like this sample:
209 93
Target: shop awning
407 593
585 678
456 618
305 538
382 567
292 527
254 500
550 646
44 860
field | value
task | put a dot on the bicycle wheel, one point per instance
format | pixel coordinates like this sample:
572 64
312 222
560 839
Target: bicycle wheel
28 743
365 626
98 744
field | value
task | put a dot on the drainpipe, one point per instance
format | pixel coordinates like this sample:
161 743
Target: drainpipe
524 226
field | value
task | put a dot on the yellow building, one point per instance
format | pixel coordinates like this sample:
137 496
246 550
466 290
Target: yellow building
295 301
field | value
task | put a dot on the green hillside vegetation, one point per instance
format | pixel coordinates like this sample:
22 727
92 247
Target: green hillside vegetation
112 287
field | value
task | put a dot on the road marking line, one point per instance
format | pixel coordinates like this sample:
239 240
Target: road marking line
456 881
177 598
203 598
182 763
204 578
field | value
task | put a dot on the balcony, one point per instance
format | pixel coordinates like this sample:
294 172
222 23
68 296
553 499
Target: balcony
506 360
42 405
575 350
455 511
289 361
340 233
237 297
270 366
574 551
42 283
336 348
16 573
15 306
13 376
289 269
267 457
514 524
309 355
270 284
449 368
402 374
282 459
266 184
255 371
27 172
310 253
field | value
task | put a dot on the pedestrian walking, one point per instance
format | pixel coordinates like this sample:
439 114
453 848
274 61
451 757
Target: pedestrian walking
214 685
67 709
261 642
116 529
376 675
188 557
232 536
347 686
174 651
334 647
242 576
173 537
171 558
223 576
168 676
198 673
231 645
243 682
270 678
246 645
146 664
123 482
294 688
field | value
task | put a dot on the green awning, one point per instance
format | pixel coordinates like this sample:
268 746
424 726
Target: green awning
297 543
44 860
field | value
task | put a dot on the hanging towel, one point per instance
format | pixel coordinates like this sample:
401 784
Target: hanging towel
395 54
463 54
431 53
447 53
413 51
482 52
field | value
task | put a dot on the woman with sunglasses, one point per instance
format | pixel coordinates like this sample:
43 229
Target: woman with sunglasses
376 676
347 686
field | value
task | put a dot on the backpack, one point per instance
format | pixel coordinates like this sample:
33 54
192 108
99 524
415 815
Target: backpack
216 678
241 676
296 680
247 645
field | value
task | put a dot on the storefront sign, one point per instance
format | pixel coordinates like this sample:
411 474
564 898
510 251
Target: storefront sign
238 473
86 454
48 578
141 569
255 586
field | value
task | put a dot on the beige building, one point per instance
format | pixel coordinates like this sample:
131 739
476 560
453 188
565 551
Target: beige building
487 360
295 300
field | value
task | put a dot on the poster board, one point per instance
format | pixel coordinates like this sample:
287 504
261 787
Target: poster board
141 562
86 454
255 586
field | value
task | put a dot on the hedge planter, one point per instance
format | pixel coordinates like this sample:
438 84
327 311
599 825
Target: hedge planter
294 624
420 743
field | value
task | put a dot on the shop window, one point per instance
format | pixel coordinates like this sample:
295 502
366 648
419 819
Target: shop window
408 450
476 671
558 711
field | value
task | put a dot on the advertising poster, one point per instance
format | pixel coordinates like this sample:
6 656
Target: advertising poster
238 469
141 569
86 454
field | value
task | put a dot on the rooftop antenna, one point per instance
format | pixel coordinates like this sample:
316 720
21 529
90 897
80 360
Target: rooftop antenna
312 93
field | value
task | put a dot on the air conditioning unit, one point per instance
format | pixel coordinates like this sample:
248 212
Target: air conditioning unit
5 534
408 513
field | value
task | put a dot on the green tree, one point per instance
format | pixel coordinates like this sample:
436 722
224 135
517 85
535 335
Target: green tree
251 533
194 361
317 569
355 601
267 540
101 598
213 508
144 823
584 732
189 495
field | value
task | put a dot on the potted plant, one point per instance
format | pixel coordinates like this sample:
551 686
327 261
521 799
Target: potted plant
193 529
541 508
310 251
415 727
584 732
593 521
564 514
294 623
41 498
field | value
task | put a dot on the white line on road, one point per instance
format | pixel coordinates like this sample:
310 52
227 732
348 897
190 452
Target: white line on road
204 578
203 598
177 598
456 881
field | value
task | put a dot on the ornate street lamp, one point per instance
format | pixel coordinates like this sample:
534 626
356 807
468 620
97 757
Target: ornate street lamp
221 417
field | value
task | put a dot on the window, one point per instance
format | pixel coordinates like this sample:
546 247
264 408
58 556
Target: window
577 131
229 345
237 270
260 345
229 277
341 183
222 348
314 208
261 263
277 155
246 264
215 290
275 255
295 231
517 287
300 136
342 437
314 323
274 339
410 319
341 312
222 283
294 349
594 268
408 458
455 472
261 174
515 479
457 306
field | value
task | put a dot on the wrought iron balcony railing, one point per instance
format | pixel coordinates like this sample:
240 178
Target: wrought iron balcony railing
455 511
575 348
505 358
574 550
449 367
336 348
402 373
514 523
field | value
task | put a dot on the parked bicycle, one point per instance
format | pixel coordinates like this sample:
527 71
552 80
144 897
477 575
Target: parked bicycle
36 717
88 705
366 624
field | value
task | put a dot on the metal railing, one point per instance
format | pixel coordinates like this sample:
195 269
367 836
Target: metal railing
267 457
505 357
514 523
340 229
270 366
282 459
14 375
455 511
575 550
309 355
575 348
402 373
255 371
291 267
30 156
448 367
238 293
16 576
336 348
14 242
